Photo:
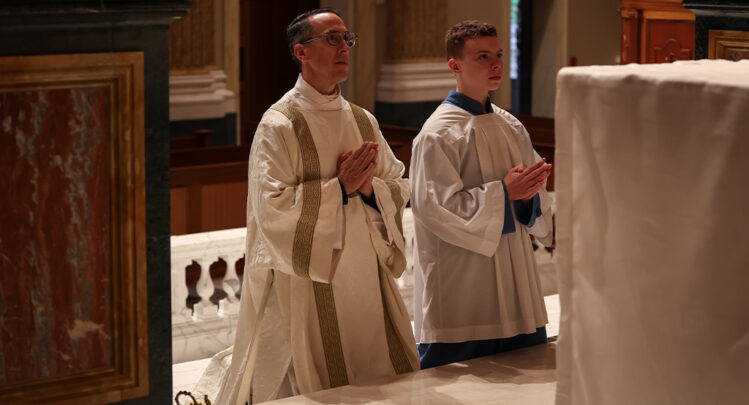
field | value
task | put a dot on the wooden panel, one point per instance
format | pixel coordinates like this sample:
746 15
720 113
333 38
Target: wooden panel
224 205
209 155
656 31
214 196
541 131
731 45
73 275
400 140
178 210
668 40
630 36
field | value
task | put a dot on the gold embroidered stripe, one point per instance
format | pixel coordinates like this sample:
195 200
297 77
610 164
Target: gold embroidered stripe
395 194
328 319
395 345
363 122
311 193
302 249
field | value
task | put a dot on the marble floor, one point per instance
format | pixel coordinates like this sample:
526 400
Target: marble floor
524 376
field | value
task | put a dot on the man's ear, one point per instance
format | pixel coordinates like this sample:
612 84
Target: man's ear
300 53
453 64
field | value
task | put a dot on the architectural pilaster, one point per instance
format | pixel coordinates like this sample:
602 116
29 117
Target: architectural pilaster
199 97
414 77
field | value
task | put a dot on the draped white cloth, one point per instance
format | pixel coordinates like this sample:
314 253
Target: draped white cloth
470 281
653 233
291 350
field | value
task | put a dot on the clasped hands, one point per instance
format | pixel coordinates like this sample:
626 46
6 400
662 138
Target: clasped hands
356 169
523 183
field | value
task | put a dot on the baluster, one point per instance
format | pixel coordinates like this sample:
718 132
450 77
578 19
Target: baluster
239 269
230 285
205 309
180 312
218 273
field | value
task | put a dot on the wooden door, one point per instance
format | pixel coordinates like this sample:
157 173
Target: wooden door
266 68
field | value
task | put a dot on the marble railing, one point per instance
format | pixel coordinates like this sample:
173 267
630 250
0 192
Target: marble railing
206 279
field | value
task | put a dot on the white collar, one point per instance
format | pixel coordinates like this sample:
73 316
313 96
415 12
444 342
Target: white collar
314 100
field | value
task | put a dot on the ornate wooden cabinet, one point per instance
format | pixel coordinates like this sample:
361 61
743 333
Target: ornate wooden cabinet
656 31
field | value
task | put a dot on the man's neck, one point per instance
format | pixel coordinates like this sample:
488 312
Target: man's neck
320 84
478 95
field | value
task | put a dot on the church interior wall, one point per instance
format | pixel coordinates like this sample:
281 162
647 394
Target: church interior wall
594 32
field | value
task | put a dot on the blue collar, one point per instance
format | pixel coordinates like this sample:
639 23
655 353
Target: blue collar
472 106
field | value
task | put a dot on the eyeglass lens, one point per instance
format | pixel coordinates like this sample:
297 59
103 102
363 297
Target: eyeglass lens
334 38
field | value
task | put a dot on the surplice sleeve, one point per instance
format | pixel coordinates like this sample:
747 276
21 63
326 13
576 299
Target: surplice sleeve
470 218
295 220
392 192
543 226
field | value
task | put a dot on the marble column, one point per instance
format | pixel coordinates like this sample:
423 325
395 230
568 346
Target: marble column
198 93
414 77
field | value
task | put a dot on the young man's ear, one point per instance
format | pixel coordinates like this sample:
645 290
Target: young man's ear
453 64
300 53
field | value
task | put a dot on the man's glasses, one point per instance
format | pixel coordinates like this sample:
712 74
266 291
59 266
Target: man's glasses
334 38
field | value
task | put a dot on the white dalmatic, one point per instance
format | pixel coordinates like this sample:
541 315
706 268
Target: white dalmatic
334 315
471 281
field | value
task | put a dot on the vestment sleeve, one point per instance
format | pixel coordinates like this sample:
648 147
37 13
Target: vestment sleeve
296 220
392 192
470 218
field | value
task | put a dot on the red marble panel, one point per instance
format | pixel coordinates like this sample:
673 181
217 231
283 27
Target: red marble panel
55 258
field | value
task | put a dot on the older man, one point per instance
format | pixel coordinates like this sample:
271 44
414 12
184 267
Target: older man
324 234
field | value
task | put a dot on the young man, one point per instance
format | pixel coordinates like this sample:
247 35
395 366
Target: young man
324 208
477 192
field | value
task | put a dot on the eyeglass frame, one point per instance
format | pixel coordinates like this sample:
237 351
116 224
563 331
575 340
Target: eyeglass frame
340 35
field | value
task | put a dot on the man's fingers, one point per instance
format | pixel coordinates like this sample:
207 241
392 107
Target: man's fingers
533 190
536 165
539 173
343 157
363 148
369 172
364 160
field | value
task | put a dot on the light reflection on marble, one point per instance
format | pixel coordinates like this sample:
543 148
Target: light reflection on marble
526 376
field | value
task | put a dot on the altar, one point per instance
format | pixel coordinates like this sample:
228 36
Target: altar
521 377
652 233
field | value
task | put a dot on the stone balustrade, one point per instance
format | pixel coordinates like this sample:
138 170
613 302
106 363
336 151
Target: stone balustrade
205 297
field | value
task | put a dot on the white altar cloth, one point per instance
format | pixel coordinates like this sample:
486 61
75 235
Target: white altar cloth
653 233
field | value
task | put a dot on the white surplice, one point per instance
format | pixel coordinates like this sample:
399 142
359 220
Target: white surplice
291 349
471 282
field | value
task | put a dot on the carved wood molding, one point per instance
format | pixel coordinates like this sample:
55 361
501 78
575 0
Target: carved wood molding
117 78
731 45
671 50
630 37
